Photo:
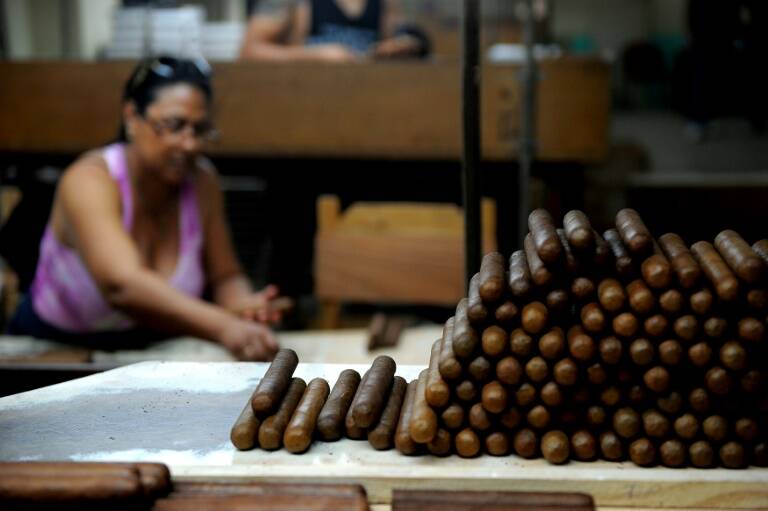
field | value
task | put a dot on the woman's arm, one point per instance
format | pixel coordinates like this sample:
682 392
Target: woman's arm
399 40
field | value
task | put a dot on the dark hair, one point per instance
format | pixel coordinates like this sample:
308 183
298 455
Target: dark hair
152 74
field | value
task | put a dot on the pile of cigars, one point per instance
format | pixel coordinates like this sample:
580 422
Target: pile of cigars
584 346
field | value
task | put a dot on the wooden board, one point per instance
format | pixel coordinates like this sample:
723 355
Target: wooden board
180 414
371 110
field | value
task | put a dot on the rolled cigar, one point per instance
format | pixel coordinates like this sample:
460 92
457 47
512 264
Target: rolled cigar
642 452
492 274
351 429
656 325
403 441
537 369
551 394
243 433
671 301
670 352
555 447
596 374
626 422
751 380
520 343
642 352
718 381
300 430
453 416
701 454
715 428
273 386
466 391
479 420
423 425
330 422
610 396
520 283
506 313
534 317
373 390
155 478
540 275
610 350
479 369
464 336
623 261
716 270
526 443
715 327
525 395
657 379
656 271
625 324
110 489
751 329
633 231
732 455
641 299
578 231
477 312
747 429
700 354
611 446
441 444
583 289
383 435
686 426
699 400
583 445
596 415
592 317
544 235
450 369
494 397
602 250
272 428
566 372
497 443
672 453
733 356
760 454
655 424
538 417
684 265
744 262
552 344
557 302
511 418
761 249
509 370
671 403
636 395
611 295
580 345
757 299
494 340
467 443
438 393
571 263
701 301
686 327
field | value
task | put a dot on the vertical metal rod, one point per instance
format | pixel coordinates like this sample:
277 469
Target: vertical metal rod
527 149
471 122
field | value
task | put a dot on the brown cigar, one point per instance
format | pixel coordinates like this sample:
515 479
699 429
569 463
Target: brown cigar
479 368
655 424
642 452
479 420
453 417
466 391
700 354
525 395
610 350
757 299
511 418
540 275
583 289
580 345
476 309
592 317
633 231
672 453
641 351
761 249
534 317
751 329
557 302
686 327
716 270
611 295
450 369
506 313
718 381
715 428
584 445
526 443
491 285
369 400
538 417
437 392
464 336
610 396
537 369
623 261
246 428
330 422
699 400
626 422
566 372
656 271
551 394
641 299
97 488
555 447
602 250
494 340
300 430
596 374
578 230
744 262
701 301
656 325
657 379
671 352
552 344
544 236
596 415
611 446
272 428
520 283
747 429
494 397
467 443
497 443
715 327
671 301
273 386
382 436
686 426
684 265
751 381
732 455
733 355
403 441
701 454
509 370
520 342
571 263
441 444
423 419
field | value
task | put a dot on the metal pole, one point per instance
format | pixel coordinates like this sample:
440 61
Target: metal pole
527 149
471 122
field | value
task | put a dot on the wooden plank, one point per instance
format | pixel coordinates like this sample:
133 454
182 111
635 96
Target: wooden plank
372 110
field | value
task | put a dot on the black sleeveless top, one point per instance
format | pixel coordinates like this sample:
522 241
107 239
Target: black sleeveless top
331 25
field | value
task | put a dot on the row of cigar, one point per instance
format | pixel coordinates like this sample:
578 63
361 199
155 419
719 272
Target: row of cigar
44 486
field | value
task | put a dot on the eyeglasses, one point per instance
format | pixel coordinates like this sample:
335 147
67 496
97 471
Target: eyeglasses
167 68
176 127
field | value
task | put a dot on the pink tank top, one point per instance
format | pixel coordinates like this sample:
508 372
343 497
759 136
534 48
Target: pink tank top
64 293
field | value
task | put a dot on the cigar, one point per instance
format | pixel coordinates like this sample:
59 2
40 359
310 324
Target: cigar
610 350
108 488
582 288
300 430
732 455
701 454
757 299
551 394
272 428
246 428
596 415
686 426
716 270
506 313
273 386
592 317
552 344
479 420
538 417
479 369
642 452
477 312
565 372
578 231
369 400
672 453
701 301
544 236
642 352
623 261
718 381
751 380
423 425
537 369
511 418
494 341
467 443
657 379
555 447
383 435
520 343
700 354
751 329
450 369
557 302
466 391
699 400
580 345
626 422
494 397
526 443
602 250
747 429
403 441
596 374
583 445
534 317
656 325
761 249
540 275
453 416
571 263
437 392
497 443
492 272
715 327
671 301
715 428
684 265
733 356
330 422
525 395
509 371
611 295
670 404
610 396
671 352
656 271
641 299
464 336
655 424
686 327
633 231
520 283
441 444
744 262
611 446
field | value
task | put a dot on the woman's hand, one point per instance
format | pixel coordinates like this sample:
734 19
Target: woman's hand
248 340
265 306
396 47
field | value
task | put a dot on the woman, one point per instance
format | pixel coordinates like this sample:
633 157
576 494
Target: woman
137 231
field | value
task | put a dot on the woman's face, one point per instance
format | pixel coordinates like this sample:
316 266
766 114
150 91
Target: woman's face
172 132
